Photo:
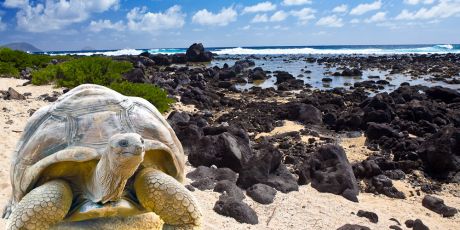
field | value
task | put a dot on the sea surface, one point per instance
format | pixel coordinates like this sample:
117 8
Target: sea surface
286 50
292 60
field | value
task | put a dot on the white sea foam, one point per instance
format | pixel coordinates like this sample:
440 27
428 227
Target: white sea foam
280 51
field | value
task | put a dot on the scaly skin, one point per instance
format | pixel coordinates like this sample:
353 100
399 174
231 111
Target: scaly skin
42 207
169 199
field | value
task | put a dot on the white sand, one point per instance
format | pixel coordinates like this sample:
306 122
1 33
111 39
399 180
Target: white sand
305 209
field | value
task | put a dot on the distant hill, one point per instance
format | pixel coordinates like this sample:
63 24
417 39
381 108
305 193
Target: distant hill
23 46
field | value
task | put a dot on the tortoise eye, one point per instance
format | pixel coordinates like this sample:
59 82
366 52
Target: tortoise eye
123 143
142 140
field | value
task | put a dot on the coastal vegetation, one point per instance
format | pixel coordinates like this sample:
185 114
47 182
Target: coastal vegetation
69 71
13 61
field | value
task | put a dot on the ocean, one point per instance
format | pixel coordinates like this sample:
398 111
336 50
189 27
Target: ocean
285 50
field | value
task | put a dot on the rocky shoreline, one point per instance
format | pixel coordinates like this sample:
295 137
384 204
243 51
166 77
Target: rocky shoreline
411 133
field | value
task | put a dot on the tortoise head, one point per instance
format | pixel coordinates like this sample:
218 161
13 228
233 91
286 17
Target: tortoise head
126 148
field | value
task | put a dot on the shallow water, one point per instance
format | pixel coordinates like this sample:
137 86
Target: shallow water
296 65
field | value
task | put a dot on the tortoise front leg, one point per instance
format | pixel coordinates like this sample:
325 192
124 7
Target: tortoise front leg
164 195
42 207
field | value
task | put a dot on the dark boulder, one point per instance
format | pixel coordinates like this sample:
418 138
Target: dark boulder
376 131
353 227
237 210
12 94
305 113
329 171
444 94
351 72
369 215
229 189
161 59
437 205
179 58
265 167
229 148
416 224
206 177
261 193
283 76
441 152
136 75
196 53
381 184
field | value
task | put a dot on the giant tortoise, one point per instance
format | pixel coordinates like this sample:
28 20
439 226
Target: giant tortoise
95 153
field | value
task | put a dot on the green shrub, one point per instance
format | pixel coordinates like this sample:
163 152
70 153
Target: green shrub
13 61
151 93
102 71
94 70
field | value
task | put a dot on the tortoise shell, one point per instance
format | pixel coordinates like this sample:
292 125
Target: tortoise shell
87 116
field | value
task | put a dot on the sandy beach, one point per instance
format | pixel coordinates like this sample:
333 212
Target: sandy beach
303 209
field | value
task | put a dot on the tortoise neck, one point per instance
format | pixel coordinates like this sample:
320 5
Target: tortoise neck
109 178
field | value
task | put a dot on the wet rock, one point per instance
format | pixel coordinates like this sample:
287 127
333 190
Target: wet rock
196 53
369 215
282 76
261 193
444 94
305 113
237 210
329 171
351 72
353 227
257 74
437 205
161 59
205 177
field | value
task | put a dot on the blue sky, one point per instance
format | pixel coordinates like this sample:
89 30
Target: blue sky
116 24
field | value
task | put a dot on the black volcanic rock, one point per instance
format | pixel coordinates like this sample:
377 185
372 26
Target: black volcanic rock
261 193
329 171
445 94
196 53
206 177
265 167
237 210
353 227
437 205
441 152
369 215
229 190
228 147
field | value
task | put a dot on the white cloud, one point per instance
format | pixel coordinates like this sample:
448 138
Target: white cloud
296 2
260 7
444 9
15 3
259 18
366 7
246 27
304 15
141 20
415 2
223 18
2 25
340 9
355 21
97 26
279 16
378 17
330 21
55 15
